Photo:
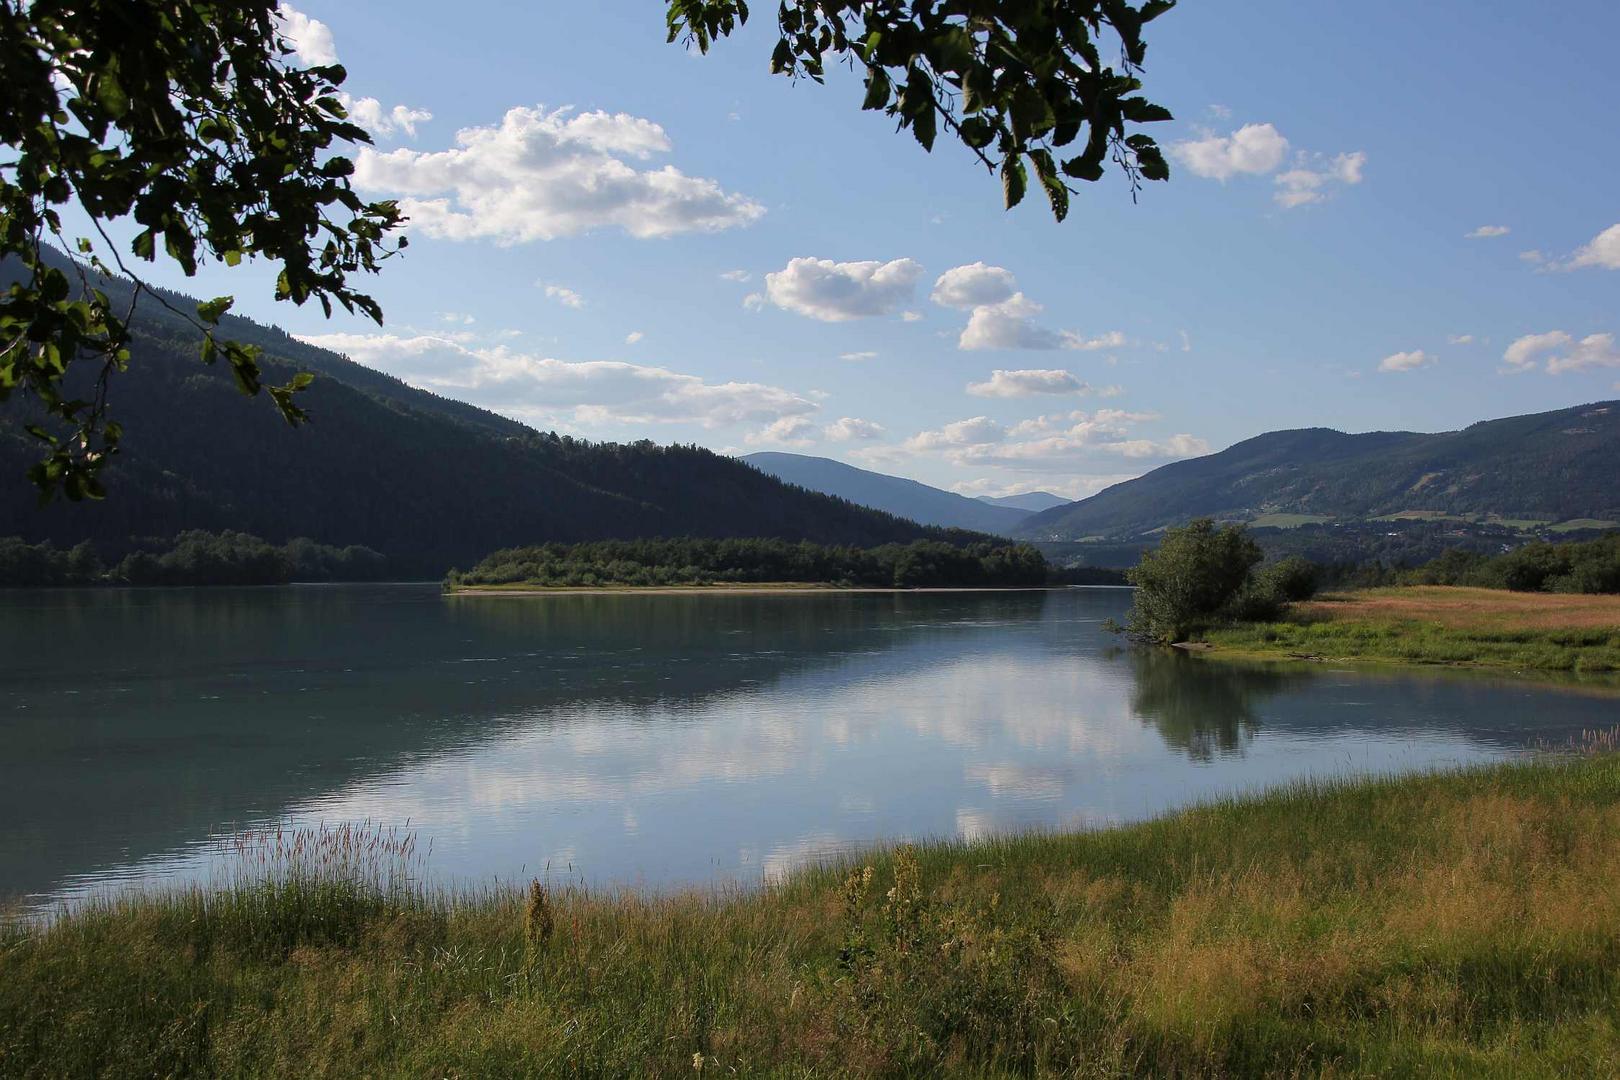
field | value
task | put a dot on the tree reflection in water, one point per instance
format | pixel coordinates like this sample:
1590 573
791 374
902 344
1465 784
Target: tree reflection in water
1203 708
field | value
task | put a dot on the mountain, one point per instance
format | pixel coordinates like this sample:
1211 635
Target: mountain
429 482
1032 501
1550 467
893 494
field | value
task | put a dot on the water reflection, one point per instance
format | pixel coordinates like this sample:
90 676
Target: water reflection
664 739
1200 707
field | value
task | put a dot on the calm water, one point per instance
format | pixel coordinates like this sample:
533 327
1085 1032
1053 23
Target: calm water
653 739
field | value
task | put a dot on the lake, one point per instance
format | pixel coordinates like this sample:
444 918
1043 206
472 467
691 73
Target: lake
655 740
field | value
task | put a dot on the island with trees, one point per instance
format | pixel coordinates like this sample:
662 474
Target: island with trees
693 561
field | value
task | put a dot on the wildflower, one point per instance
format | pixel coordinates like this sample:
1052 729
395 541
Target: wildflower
697 1061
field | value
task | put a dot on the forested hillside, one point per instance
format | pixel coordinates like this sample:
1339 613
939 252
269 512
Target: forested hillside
1545 468
428 482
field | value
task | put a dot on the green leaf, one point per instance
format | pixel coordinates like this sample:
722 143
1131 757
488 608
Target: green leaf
878 88
1014 179
1142 111
923 127
211 311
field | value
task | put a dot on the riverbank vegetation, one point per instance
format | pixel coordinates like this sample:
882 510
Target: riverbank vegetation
1461 923
698 561
1430 624
192 558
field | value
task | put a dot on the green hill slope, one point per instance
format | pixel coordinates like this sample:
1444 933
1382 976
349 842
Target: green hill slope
1555 466
431 483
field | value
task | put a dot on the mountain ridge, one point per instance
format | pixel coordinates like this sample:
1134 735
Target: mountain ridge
1554 466
893 494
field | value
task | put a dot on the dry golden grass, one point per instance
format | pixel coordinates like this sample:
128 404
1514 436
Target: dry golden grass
1462 924
1470 609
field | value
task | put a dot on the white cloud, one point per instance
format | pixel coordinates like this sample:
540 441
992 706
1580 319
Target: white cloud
1460 339
1072 441
543 174
545 390
735 275
457 317
794 431
1028 382
852 429
1563 352
633 337
975 431
1002 317
1252 148
310 38
857 357
1186 341
1311 180
911 316
382 122
841 291
1533 257
974 285
1603 251
1176 446
565 296
1405 361
1487 232
1007 325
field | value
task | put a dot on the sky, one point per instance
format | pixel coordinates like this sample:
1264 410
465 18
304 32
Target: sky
1382 215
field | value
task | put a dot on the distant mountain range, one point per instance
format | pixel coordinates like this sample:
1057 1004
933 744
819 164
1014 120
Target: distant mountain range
1033 501
892 494
429 482
1547 470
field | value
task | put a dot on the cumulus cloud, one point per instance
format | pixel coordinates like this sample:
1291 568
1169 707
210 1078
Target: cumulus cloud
1487 232
974 285
1258 149
1029 382
1603 252
1001 316
1252 148
1405 361
565 296
1460 339
841 291
1562 352
546 390
858 357
633 337
794 431
974 431
852 429
1312 179
310 38
381 121
735 275
544 174
1073 441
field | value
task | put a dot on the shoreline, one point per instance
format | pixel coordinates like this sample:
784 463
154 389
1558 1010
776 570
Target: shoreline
742 589
1179 945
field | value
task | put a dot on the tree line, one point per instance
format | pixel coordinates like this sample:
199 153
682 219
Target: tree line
195 557
698 561
1202 575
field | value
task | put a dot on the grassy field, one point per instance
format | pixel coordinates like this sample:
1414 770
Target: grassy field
1434 624
1464 924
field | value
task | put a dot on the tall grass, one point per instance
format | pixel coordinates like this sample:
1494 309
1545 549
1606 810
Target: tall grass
1459 924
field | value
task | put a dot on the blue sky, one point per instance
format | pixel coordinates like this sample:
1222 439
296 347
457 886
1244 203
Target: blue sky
1382 215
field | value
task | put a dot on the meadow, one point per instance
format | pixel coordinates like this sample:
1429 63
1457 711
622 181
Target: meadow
1465 923
1436 624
